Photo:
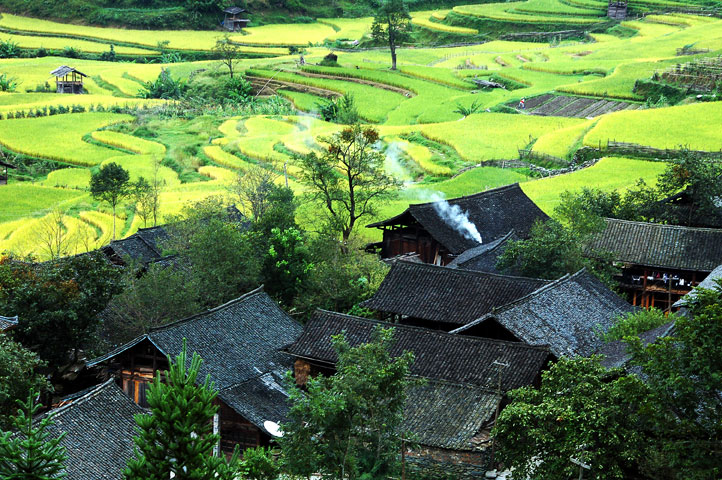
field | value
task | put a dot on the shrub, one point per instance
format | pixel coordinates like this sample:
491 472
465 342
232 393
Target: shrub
163 87
71 52
7 84
9 49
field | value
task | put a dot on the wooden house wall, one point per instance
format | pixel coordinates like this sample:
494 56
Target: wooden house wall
135 369
403 240
644 286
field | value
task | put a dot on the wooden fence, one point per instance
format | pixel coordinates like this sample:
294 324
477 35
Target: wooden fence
645 151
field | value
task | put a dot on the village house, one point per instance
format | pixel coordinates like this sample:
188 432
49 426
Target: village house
659 263
240 343
450 415
441 230
99 425
568 314
233 20
444 298
144 247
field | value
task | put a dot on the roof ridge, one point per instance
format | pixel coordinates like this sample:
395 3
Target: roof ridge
89 394
463 271
663 225
241 299
473 195
470 386
436 332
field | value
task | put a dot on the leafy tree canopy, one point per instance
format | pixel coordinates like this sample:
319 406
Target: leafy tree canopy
57 303
18 376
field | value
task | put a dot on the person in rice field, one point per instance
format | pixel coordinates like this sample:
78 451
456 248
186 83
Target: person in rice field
521 103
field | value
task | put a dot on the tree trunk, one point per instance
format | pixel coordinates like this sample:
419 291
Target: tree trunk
393 56
113 221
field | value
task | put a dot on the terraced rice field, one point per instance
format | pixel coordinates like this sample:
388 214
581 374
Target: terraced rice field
433 120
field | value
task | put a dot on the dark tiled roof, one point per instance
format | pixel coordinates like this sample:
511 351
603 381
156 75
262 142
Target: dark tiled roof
662 246
143 246
448 415
238 340
259 400
455 358
7 323
484 257
447 295
99 427
566 314
233 10
493 212
615 353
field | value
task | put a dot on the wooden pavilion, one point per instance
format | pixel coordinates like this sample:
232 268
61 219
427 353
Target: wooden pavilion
4 175
233 21
68 80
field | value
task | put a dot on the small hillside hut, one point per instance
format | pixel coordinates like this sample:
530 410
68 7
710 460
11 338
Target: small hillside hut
233 21
442 230
617 10
68 80
4 172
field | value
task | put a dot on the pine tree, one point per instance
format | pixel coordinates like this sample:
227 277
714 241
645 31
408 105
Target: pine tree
31 453
177 436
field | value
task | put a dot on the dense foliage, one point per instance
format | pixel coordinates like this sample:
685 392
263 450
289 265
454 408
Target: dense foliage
110 184
349 425
57 304
18 376
662 424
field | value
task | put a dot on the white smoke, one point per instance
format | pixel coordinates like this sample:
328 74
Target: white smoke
392 164
455 217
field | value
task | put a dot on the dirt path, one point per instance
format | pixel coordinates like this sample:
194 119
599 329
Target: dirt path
262 84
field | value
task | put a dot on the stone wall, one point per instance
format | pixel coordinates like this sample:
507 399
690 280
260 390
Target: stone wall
427 463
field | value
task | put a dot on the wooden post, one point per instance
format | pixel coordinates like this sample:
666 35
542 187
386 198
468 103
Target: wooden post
403 458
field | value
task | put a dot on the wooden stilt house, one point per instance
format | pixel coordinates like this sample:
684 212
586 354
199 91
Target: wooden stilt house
617 9
240 343
659 263
68 80
442 230
4 172
233 21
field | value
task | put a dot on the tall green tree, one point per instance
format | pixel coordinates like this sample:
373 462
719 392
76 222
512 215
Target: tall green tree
31 453
287 265
348 178
684 374
228 53
581 411
57 304
177 437
221 253
349 425
392 25
111 185
18 376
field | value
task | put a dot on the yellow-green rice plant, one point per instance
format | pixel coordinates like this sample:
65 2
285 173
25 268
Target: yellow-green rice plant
129 142
221 157
607 174
78 178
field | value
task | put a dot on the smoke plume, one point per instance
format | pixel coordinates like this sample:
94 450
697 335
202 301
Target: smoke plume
455 217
